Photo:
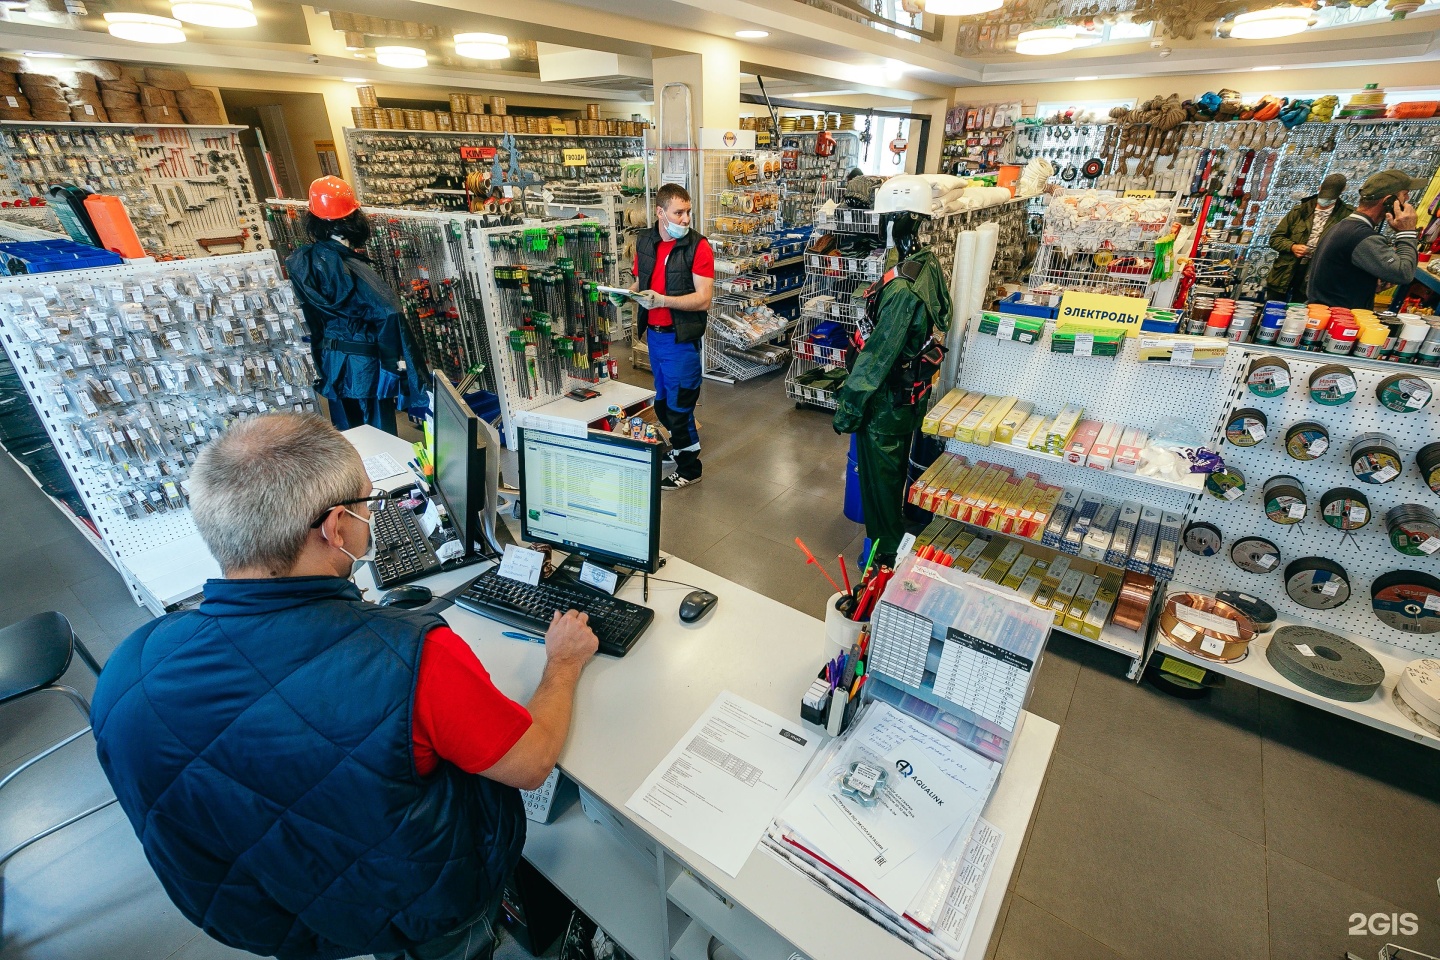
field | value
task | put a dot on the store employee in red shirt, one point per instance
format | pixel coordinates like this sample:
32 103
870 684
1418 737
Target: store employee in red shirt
675 280
312 775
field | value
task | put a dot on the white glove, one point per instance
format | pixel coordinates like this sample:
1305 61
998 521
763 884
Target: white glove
650 300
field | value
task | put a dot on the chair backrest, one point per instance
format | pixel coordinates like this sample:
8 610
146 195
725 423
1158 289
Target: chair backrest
34 653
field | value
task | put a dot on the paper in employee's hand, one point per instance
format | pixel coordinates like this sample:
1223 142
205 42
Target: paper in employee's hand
934 790
718 789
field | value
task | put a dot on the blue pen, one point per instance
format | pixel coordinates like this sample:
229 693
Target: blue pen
523 636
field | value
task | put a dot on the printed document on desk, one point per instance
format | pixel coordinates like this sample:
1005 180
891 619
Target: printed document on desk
720 786
933 793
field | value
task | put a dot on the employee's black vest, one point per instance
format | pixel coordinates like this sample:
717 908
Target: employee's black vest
679 280
1334 279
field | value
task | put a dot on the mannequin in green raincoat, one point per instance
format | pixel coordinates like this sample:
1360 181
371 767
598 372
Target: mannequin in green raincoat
884 398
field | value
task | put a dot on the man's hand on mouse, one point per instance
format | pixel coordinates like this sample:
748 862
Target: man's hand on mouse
570 639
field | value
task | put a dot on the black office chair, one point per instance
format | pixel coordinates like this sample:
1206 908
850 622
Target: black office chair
34 655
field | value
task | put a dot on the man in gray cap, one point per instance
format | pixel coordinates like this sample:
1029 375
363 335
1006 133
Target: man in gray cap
1352 259
1297 236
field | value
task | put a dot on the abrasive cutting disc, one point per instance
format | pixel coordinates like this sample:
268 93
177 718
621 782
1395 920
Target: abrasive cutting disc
1407 600
1324 663
1317 583
1255 555
1419 688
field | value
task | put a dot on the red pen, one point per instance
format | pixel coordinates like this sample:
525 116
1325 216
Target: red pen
844 573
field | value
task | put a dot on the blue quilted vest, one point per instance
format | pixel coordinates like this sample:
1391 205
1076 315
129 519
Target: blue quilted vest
261 747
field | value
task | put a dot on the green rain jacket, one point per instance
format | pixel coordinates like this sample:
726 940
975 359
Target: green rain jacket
909 312
1293 229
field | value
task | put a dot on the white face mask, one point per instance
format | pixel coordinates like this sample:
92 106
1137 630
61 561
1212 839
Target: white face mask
1322 202
369 553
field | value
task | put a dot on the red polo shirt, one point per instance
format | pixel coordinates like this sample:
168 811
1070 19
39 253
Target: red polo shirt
459 714
704 266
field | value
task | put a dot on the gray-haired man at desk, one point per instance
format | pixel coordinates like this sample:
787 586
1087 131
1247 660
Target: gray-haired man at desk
313 776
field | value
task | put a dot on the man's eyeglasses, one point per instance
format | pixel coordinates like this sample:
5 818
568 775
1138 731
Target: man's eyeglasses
376 501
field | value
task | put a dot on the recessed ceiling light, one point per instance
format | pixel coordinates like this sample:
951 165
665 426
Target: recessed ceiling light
752 34
1258 69
482 46
227 14
404 58
1046 42
144 28
355 80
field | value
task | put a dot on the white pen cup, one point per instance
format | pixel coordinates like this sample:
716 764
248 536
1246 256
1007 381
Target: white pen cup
840 633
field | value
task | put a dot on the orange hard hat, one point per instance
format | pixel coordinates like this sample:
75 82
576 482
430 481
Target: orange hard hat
332 199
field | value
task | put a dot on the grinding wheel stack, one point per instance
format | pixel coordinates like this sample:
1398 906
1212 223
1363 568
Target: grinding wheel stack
1324 664
1417 694
14 105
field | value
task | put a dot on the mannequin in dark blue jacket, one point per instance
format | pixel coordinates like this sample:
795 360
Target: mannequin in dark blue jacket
357 324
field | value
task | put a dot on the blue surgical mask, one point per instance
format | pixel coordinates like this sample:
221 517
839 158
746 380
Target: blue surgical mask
676 230
1322 202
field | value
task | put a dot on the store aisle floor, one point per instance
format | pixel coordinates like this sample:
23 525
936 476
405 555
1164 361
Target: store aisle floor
1243 826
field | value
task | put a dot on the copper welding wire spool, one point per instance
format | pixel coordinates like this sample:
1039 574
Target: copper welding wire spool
1201 629
1133 602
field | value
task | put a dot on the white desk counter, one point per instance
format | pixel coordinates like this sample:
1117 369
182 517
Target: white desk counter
645 888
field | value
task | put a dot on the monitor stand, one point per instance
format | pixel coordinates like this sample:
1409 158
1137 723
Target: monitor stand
569 572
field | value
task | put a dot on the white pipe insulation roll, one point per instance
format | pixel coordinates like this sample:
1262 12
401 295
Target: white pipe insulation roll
960 273
987 242
980 197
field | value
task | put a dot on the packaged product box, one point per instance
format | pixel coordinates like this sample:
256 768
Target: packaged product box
922 482
1080 520
1041 434
1077 448
1105 599
958 544
1102 529
1167 546
959 412
1065 595
1128 448
1026 431
992 552
931 423
1011 422
1060 517
1143 550
985 432
1102 451
1018 571
1063 428
1042 508
1119 550
1058 569
1080 607
967 557
965 430
1000 568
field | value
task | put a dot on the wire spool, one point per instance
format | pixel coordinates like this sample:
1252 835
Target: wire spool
1307 440
1417 694
1404 393
1255 555
1227 483
1407 600
1345 508
1260 613
1413 529
1332 384
1133 603
1268 377
1324 664
1206 627
1428 460
1202 538
1374 458
1317 583
1285 500
1246 427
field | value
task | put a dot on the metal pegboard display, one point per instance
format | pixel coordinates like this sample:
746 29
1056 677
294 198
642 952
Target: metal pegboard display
133 368
187 188
421 256
1364 553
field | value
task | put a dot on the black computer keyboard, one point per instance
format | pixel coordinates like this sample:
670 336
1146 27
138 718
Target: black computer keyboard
617 623
402 551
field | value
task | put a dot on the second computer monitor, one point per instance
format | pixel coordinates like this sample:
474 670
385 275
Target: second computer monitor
597 496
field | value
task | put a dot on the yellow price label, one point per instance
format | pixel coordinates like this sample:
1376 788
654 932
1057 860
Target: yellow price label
1140 194
574 157
557 127
1100 311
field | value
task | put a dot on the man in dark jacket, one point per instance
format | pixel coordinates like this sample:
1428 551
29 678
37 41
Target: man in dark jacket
675 280
1353 259
313 776
1298 234
357 324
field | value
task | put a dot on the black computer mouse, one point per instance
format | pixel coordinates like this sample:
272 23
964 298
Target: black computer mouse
407 597
696 604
